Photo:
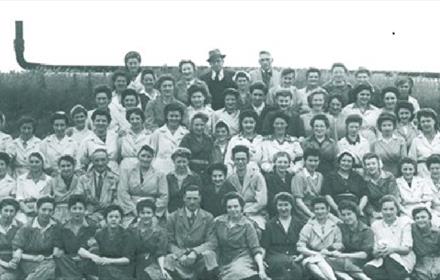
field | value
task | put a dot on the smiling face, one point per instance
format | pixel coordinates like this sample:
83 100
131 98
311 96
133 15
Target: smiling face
348 217
248 125
100 161
3 168
133 65
198 126
408 171
434 169
404 115
174 118
79 119
390 100
148 81
59 127
188 71
284 208
346 163
311 163
363 97
387 127
77 211
130 102
284 102
192 200
404 89
335 106
7 214
362 78
100 123
318 101
135 121
265 61
45 212
313 79
287 80
233 208
372 166
218 177
167 88
67 169
339 74
242 83
353 129
145 158
146 215
26 130
230 102
422 220
101 100
321 211
319 128
281 164
197 100
280 126
120 83
427 124
389 211
114 218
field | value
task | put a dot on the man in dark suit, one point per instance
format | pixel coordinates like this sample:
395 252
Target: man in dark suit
218 79
258 91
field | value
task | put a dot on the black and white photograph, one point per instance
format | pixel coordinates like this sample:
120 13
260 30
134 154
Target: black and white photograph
219 140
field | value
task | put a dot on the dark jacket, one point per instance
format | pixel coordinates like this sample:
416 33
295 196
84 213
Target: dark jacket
216 88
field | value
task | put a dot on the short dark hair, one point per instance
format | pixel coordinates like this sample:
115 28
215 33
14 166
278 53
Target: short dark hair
186 61
313 70
45 199
201 116
240 149
368 156
319 200
181 152
164 78
218 166
362 70
276 115
191 188
77 198
283 92
146 203
247 114
312 94
221 124
5 158
27 119
345 153
349 205
241 74
197 87
172 107
320 117
37 155
9 201
230 196
132 54
111 208
119 73
284 196
389 198
129 92
432 159
311 152
103 88
385 116
67 158
258 85
288 71
102 112
401 104
59 115
146 148
136 111
420 209
407 160
353 118
357 89
427 113
148 72
390 89
338 64
231 91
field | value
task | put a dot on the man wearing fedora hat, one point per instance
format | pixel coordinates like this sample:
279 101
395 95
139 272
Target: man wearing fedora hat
217 78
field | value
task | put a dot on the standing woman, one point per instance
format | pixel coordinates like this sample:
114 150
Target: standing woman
151 243
198 103
35 243
405 126
240 255
320 140
279 141
278 180
7 183
150 92
136 137
5 139
8 258
58 144
230 113
22 146
242 80
115 255
389 146
119 84
180 178
393 242
405 86
414 191
427 142
142 181
363 107
248 137
334 109
31 186
390 97
199 144
189 78
132 62
79 131
167 138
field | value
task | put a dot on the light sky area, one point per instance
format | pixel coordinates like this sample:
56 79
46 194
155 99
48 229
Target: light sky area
299 34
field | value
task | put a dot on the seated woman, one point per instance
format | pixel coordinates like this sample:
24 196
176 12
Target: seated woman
75 235
379 183
414 191
7 183
35 243
140 182
334 109
31 186
393 255
134 138
358 242
279 180
426 244
9 228
199 143
242 80
230 113
250 184
318 239
306 185
405 126
221 141
345 184
240 255
151 243
198 103
62 187
79 131
181 177
215 189
115 248
279 241
150 92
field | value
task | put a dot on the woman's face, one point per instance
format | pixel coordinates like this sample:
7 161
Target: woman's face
348 217
242 83
26 130
188 71
284 208
404 115
335 106
100 123
233 208
339 74
408 171
129 102
346 163
221 133
434 169
281 164
113 218
390 100
67 169
133 65
353 129
389 211
77 211
197 100
387 127
311 163
241 160
319 128
422 220
135 121
404 89
145 158
218 177
167 88
35 164
174 118
287 80
248 125
318 101
372 166
320 210
59 126
313 79
7 213
230 102
363 97
3 169
120 83
45 211
79 120
427 124
102 100
148 81
146 215
181 163
198 126
280 126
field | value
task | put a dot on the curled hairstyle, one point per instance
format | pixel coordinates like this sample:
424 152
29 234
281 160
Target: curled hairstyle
238 149
136 111
418 210
349 205
407 160
111 208
9 201
230 196
146 203
427 113
77 198
433 159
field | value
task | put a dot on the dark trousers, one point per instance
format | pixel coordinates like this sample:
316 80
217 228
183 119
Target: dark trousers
390 270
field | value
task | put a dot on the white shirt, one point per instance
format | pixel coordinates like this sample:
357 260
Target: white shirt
221 75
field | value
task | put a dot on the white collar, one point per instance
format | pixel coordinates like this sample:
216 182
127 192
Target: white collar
189 212
221 75
307 173
36 224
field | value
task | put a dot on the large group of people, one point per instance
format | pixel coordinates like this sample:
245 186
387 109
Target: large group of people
227 175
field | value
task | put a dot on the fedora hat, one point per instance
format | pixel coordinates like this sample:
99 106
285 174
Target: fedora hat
213 54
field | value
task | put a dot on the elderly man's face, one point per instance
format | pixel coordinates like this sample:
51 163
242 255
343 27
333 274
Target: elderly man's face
265 61
100 160
216 64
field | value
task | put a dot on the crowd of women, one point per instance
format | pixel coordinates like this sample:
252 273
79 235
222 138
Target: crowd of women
226 176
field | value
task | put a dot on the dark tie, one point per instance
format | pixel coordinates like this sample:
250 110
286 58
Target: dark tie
99 185
266 77
191 218
217 76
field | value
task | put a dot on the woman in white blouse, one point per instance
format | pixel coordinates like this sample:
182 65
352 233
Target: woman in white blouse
7 183
198 103
5 139
79 131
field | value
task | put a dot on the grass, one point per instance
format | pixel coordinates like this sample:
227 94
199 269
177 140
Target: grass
39 93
